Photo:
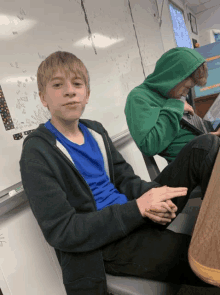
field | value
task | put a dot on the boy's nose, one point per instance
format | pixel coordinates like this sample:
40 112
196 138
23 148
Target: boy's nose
70 89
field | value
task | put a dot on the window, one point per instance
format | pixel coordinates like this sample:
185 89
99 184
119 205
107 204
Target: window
179 27
217 37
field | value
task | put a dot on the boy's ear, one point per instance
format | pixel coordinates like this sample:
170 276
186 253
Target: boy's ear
42 99
88 94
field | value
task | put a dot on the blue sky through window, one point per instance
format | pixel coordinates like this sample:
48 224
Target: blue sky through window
179 28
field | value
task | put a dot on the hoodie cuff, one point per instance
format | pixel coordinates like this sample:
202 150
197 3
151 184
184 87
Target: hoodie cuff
130 216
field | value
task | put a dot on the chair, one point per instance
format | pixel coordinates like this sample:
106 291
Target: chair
118 285
137 286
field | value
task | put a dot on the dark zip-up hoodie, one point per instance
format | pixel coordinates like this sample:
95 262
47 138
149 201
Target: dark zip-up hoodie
65 209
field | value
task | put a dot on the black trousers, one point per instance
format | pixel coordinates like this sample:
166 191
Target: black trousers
152 251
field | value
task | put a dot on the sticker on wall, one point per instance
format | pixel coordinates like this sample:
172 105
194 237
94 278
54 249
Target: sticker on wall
4 111
28 132
17 136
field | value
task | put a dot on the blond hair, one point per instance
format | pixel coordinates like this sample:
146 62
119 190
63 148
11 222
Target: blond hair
200 75
64 61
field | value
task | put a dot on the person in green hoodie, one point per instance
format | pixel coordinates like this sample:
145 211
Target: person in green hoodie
154 108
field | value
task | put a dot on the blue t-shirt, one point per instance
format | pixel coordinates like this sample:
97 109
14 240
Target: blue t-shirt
89 162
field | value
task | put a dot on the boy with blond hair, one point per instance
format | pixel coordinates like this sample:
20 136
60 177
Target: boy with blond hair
91 207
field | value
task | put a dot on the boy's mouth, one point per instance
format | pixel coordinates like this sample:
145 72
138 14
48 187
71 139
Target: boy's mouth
71 103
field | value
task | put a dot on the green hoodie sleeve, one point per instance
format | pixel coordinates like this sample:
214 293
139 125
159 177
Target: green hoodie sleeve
153 128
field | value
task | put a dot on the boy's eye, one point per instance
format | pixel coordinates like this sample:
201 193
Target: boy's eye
57 84
77 84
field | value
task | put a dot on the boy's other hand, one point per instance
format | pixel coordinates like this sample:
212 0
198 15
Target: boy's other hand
188 108
157 198
171 204
161 218
167 206
162 210
217 133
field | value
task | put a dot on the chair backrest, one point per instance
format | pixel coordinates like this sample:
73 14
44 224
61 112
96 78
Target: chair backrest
153 171
152 167
191 97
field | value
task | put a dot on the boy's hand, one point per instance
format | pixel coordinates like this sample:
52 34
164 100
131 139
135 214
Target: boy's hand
188 108
172 205
216 132
157 198
164 209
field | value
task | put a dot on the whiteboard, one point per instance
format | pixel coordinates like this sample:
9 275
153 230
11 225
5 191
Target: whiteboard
119 42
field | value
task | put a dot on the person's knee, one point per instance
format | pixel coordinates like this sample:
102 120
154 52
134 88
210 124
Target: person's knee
210 145
207 142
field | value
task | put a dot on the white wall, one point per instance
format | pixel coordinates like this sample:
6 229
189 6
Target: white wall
208 20
133 156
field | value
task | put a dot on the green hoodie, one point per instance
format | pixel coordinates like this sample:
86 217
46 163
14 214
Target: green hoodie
152 117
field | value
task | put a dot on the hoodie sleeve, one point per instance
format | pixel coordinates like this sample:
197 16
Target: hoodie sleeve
66 228
153 128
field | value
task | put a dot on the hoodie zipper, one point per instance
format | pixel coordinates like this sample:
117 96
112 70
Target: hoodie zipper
110 159
78 174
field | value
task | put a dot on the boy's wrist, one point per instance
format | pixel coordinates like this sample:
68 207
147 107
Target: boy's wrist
142 206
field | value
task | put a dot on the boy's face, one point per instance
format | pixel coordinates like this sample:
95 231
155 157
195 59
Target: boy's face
182 88
62 90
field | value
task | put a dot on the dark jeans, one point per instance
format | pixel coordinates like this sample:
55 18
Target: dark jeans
152 251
